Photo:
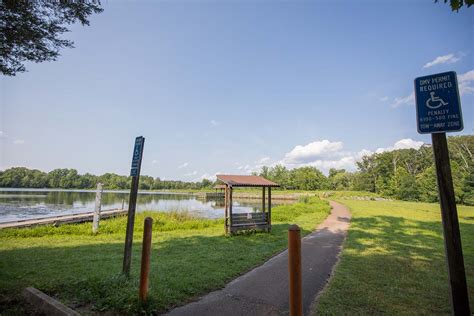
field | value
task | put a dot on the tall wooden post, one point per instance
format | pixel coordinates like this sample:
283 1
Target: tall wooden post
230 209
263 201
452 235
135 173
98 205
226 212
269 208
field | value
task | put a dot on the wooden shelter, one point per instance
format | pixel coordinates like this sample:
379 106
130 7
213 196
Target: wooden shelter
245 221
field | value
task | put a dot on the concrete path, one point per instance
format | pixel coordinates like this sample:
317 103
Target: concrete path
264 290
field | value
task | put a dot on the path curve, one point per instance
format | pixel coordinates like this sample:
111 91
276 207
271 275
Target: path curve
264 290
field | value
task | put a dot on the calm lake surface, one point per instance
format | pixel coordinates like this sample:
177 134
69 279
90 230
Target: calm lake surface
18 204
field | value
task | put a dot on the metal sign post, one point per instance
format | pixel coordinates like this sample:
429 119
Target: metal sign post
135 173
438 109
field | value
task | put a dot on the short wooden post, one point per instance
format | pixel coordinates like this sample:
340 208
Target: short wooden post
98 205
146 252
294 271
269 208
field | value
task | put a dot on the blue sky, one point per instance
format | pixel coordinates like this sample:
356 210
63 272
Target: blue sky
227 86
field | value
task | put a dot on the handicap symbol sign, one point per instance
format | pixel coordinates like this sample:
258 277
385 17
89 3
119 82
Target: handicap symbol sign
438 107
431 102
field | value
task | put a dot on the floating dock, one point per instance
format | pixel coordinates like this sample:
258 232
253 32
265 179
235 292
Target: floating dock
62 219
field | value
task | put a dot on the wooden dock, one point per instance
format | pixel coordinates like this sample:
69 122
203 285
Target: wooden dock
62 219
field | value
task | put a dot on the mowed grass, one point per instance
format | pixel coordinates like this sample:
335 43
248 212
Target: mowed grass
190 256
393 261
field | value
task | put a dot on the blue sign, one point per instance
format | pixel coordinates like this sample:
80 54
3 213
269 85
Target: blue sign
137 156
438 107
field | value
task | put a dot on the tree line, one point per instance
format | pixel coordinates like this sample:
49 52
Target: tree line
20 177
406 174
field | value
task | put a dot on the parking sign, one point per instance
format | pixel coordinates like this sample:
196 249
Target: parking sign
438 107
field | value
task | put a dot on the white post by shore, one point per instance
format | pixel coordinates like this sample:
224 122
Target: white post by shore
98 202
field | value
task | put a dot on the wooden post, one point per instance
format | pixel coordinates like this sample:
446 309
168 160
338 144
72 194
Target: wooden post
226 213
146 252
98 204
135 173
263 201
230 209
452 235
294 271
269 209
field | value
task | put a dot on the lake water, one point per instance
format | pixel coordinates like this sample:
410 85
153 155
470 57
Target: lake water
18 204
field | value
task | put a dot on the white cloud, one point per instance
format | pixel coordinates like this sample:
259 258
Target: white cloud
263 160
312 151
465 81
445 59
215 123
468 76
248 168
408 100
362 153
383 99
405 143
191 173
18 142
206 176
347 163
325 155
184 165
154 161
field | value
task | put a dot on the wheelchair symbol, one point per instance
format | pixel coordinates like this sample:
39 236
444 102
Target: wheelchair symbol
431 102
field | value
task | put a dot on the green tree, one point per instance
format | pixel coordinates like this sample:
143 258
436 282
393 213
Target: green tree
404 185
428 189
308 178
32 30
281 175
468 187
458 4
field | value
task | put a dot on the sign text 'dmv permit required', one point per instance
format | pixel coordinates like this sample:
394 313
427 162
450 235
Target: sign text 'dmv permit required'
438 108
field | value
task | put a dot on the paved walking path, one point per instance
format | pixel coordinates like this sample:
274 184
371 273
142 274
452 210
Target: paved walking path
264 290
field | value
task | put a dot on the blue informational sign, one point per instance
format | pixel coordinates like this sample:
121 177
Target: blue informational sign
137 156
438 107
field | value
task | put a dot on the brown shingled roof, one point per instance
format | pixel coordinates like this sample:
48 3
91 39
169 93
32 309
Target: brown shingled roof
246 181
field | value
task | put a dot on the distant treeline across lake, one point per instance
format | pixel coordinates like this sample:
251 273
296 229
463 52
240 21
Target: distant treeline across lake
406 174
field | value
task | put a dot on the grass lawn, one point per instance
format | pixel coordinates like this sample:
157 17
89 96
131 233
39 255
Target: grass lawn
393 261
189 257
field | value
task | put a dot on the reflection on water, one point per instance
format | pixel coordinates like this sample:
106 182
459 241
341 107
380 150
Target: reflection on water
30 203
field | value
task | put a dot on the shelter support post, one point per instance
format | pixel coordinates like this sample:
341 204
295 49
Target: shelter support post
269 209
230 208
226 213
